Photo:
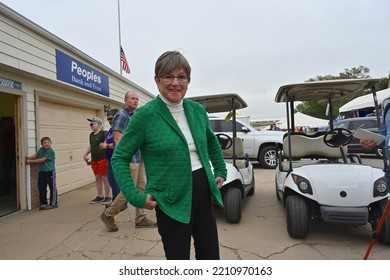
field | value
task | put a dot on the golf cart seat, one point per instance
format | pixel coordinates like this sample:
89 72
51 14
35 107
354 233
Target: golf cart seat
239 152
307 150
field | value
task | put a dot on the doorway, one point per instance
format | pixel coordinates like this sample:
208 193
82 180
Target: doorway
8 171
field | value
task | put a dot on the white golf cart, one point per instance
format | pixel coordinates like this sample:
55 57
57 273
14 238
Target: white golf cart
240 181
316 178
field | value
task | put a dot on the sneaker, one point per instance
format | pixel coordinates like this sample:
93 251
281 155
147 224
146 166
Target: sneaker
48 207
146 223
106 200
124 207
96 200
109 222
42 207
54 206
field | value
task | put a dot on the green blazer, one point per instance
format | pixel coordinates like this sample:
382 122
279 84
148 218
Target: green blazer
164 149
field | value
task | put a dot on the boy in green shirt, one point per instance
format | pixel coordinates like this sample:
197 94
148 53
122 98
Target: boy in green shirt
47 173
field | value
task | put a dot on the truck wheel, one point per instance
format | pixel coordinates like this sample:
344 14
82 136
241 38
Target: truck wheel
297 216
376 214
232 201
268 157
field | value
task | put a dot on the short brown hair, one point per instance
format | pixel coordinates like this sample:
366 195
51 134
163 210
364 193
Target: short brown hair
45 138
169 61
112 112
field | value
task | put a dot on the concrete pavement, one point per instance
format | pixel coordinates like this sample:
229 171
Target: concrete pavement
74 232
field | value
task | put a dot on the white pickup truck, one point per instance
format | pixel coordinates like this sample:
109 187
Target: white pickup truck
258 145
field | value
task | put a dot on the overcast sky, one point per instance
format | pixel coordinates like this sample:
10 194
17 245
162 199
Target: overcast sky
251 47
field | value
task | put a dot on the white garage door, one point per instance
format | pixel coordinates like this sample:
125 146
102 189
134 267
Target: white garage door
69 131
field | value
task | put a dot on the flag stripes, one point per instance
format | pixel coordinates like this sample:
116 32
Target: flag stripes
125 65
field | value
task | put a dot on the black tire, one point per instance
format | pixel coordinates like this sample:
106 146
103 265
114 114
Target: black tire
268 157
253 185
377 212
297 216
379 153
232 201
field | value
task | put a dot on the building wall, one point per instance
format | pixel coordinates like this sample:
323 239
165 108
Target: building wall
28 56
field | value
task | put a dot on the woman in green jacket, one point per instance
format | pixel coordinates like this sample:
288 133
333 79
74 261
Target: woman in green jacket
177 146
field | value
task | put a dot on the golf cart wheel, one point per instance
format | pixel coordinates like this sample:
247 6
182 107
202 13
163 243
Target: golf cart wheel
252 190
379 153
377 212
268 157
297 216
232 201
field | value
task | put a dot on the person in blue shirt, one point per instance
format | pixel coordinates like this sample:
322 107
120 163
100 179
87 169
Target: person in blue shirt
47 174
137 169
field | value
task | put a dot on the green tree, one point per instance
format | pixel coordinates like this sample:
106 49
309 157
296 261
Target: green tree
318 109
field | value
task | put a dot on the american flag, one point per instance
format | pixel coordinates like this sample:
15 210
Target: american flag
125 65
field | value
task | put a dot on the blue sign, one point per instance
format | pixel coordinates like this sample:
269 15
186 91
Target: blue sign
10 84
72 71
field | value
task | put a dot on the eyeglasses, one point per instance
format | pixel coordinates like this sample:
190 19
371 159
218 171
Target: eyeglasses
182 79
91 124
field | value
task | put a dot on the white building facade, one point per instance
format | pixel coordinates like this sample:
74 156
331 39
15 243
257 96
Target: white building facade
48 88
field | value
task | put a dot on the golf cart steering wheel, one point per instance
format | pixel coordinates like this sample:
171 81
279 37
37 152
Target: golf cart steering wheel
337 137
224 140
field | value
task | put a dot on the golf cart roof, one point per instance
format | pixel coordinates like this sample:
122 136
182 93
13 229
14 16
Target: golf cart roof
217 103
319 90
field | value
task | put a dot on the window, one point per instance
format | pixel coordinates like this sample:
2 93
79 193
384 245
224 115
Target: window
341 125
366 124
226 126
214 125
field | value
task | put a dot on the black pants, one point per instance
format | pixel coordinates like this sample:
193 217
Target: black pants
176 236
47 178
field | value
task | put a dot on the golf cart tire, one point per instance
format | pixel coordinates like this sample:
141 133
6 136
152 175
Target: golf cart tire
252 190
377 212
297 216
232 201
268 157
379 152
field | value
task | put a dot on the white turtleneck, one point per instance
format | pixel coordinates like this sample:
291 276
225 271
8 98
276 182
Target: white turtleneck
177 111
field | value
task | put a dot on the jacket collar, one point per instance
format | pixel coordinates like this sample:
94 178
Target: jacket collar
166 115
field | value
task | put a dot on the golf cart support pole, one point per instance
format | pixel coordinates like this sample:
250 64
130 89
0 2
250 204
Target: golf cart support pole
376 106
289 128
234 132
330 113
378 229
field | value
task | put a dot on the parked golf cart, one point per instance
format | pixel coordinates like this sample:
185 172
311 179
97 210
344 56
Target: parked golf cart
240 181
317 178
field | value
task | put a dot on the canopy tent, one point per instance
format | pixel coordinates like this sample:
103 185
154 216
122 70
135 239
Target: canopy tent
365 101
304 121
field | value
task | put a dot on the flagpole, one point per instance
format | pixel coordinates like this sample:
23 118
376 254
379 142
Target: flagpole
120 43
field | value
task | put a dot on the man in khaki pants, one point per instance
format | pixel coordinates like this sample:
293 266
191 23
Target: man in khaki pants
137 169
